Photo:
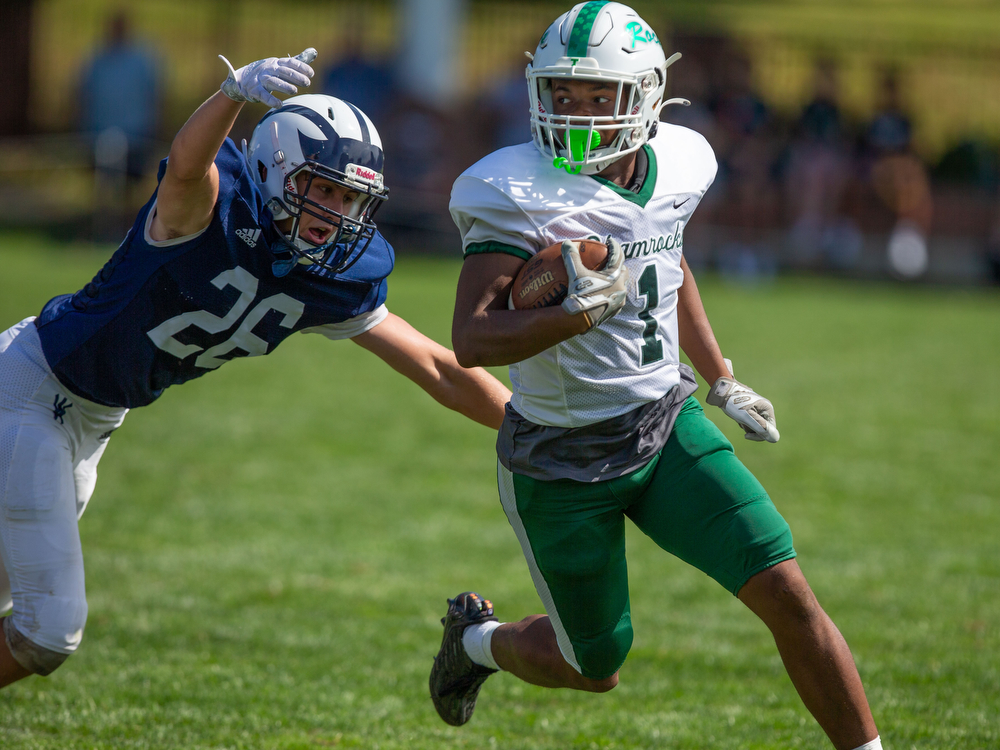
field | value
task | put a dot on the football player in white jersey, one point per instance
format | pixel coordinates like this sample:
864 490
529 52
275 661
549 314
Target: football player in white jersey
234 252
602 424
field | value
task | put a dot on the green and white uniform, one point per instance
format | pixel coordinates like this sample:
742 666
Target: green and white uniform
602 426
515 201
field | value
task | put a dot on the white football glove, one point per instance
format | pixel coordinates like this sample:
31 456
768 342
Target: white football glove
596 294
752 411
256 81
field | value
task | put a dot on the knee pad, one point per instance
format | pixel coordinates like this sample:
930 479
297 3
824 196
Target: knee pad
36 659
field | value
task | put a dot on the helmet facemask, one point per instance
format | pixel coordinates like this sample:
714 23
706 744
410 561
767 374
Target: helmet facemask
588 144
352 231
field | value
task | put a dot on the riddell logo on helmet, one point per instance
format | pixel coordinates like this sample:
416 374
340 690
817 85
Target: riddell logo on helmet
364 174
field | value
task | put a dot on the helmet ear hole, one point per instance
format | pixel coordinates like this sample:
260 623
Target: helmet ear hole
262 171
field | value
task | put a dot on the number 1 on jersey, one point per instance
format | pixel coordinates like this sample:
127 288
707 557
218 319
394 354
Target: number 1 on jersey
652 347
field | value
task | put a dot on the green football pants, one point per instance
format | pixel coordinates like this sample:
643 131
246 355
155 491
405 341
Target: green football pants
695 499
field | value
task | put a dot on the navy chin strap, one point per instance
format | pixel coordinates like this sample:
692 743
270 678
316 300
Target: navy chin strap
286 254
283 266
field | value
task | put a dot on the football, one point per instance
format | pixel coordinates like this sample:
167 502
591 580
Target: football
543 281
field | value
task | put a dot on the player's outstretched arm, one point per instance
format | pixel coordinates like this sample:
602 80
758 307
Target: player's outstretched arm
751 411
472 392
696 336
190 185
485 332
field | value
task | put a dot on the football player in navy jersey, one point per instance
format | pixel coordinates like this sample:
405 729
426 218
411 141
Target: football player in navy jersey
235 251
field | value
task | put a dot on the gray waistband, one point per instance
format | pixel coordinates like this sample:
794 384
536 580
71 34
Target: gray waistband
600 451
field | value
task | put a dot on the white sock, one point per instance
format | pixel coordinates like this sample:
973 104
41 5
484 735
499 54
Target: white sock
875 744
477 638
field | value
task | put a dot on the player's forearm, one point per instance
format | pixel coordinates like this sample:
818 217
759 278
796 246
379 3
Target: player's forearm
485 332
472 392
502 337
695 332
198 142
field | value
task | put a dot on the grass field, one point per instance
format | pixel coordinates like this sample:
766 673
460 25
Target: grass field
270 548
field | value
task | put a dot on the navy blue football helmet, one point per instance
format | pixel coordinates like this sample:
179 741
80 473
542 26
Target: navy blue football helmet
319 136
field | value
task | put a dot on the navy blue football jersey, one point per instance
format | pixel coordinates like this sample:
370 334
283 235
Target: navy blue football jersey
159 314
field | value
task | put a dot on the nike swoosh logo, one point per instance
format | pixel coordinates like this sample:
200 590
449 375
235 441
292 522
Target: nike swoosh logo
678 205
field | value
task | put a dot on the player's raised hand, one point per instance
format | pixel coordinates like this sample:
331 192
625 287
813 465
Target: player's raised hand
596 294
257 81
754 413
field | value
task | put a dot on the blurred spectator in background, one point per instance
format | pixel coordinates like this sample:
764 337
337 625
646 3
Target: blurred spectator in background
818 172
747 147
120 97
688 79
993 251
119 104
503 110
966 181
417 134
739 112
422 152
993 246
899 180
512 125
889 131
365 81
423 143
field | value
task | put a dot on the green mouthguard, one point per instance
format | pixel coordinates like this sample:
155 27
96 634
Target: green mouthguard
577 140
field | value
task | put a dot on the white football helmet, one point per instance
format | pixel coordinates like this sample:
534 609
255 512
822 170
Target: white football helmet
598 41
324 137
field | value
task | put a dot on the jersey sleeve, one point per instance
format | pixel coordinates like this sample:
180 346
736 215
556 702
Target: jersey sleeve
235 185
693 155
490 221
352 327
709 164
147 225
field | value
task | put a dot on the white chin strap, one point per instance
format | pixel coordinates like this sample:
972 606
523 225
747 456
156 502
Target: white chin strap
306 247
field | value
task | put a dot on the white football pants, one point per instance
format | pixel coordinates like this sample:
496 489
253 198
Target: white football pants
50 444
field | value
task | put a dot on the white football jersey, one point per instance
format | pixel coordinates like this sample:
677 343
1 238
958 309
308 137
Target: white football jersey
517 197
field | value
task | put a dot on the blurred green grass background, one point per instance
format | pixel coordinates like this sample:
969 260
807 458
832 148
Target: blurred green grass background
269 549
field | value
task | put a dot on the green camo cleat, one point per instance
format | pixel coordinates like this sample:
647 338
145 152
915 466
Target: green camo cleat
455 678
